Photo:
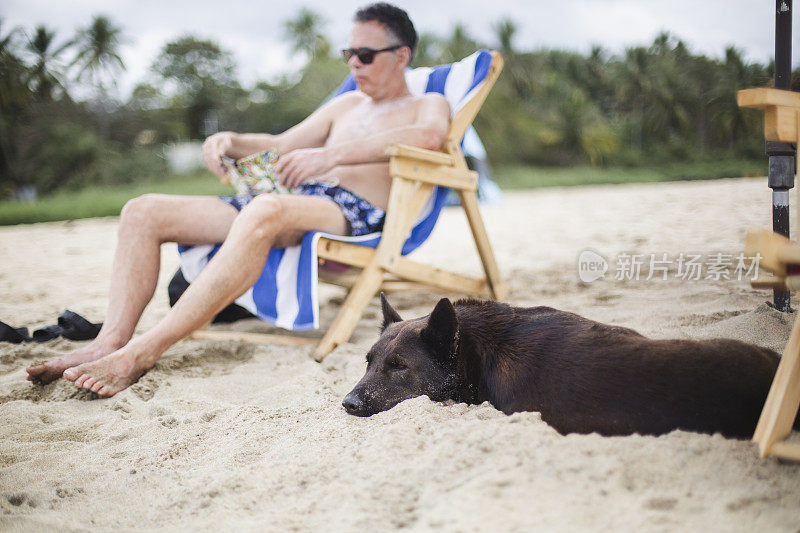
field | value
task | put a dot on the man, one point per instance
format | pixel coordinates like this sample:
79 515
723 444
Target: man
343 142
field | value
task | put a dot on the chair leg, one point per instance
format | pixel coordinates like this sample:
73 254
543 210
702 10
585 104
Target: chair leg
371 277
783 399
469 201
367 284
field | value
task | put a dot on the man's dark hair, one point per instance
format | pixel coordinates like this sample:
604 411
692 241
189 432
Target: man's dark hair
394 18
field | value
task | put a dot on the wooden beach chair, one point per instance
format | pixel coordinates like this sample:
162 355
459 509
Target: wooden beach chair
418 175
415 172
781 257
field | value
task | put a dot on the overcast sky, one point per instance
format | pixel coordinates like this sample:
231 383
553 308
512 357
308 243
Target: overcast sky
253 30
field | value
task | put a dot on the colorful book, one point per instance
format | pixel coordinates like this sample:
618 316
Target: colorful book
254 174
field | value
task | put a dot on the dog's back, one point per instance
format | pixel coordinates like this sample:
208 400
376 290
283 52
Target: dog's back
584 376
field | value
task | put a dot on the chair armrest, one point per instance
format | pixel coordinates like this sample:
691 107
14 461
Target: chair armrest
422 171
427 166
420 154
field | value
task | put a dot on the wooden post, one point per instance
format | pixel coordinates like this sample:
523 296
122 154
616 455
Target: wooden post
783 399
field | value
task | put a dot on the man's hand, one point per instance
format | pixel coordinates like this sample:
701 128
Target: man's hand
215 146
299 166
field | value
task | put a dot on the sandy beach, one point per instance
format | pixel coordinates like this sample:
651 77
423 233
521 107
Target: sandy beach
243 437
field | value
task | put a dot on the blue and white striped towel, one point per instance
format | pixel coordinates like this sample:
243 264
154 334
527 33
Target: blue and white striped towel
286 292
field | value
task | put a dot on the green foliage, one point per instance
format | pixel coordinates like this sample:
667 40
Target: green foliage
48 142
67 155
202 78
657 106
653 104
105 200
304 30
97 57
529 177
45 75
132 166
505 35
194 63
15 98
291 103
64 156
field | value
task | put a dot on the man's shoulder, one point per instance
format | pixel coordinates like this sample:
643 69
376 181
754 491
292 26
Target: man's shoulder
434 101
349 98
433 98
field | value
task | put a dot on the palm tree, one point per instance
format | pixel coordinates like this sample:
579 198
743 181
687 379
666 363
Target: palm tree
505 30
98 56
427 51
6 42
598 85
661 44
47 71
13 73
460 44
304 31
98 60
729 116
14 96
635 87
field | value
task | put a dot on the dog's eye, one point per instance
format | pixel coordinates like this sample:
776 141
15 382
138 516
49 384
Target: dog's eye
396 364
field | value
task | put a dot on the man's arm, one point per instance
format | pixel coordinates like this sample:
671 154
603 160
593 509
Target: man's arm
310 133
429 131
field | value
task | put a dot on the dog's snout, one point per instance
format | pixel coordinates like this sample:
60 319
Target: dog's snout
353 404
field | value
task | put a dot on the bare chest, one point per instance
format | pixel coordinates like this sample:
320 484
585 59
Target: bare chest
366 120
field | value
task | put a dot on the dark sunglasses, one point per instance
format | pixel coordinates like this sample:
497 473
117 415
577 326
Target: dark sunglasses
366 55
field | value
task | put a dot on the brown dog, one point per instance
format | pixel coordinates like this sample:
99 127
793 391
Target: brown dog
581 375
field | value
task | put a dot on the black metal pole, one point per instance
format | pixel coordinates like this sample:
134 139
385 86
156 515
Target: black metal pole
781 155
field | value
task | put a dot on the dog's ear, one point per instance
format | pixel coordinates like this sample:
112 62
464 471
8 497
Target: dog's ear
389 314
442 329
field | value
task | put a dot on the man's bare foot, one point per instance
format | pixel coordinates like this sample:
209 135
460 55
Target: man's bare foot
53 369
114 372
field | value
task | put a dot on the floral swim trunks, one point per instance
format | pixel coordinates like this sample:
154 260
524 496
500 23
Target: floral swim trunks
362 217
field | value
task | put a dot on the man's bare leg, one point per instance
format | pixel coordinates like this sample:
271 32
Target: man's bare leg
268 220
145 223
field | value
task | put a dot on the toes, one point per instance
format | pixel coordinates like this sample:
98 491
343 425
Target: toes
35 370
96 387
37 374
72 374
88 383
81 380
105 391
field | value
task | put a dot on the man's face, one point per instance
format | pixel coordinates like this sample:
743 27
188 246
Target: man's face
373 77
